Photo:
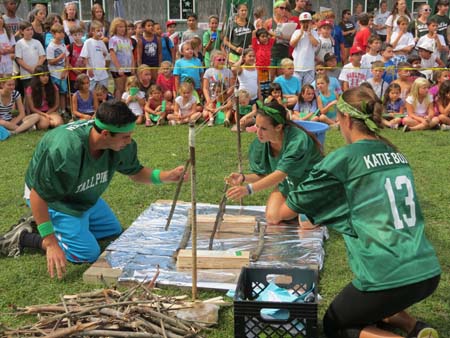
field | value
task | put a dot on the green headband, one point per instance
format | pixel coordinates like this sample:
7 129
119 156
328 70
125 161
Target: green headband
279 3
344 107
272 112
115 129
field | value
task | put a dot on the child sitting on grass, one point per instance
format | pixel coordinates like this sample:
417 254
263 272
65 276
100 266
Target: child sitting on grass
185 107
134 98
155 107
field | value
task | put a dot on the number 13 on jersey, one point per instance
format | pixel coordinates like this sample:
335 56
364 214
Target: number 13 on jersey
397 185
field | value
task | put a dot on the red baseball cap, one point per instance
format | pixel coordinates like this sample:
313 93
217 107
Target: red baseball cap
356 50
170 23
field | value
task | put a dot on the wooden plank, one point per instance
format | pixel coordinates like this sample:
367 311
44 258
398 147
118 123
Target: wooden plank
214 259
231 223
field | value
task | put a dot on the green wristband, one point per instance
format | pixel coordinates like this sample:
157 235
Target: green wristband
46 229
156 176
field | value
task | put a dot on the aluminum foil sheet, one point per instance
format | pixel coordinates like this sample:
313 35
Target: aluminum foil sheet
146 245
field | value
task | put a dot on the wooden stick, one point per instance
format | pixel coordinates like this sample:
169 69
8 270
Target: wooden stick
67 332
184 239
219 216
118 334
260 247
177 193
193 208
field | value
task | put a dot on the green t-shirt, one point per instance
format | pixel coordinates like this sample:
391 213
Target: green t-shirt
298 155
366 192
67 177
244 110
215 45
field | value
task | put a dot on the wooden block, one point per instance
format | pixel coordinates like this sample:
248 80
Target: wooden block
214 259
231 223
101 271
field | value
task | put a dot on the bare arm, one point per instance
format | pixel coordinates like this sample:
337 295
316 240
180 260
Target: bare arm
55 256
166 176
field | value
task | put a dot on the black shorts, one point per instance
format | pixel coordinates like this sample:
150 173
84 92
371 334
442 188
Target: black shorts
352 309
116 75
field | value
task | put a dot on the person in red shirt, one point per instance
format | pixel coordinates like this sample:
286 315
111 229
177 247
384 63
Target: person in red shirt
362 36
262 45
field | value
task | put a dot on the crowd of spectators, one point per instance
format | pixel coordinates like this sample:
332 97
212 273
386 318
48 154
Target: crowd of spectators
56 68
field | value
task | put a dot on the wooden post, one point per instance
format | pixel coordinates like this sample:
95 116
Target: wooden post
193 209
238 127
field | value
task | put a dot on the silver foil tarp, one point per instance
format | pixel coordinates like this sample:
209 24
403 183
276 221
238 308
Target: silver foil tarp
145 245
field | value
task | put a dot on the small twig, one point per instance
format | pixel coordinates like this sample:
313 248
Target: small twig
69 323
152 283
184 239
118 334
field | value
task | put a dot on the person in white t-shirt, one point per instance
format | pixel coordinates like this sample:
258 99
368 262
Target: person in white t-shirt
419 105
380 20
352 75
94 53
304 41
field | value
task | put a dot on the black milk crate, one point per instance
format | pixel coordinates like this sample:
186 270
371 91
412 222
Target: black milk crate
302 317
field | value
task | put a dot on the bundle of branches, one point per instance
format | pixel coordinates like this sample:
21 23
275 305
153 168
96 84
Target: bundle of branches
136 313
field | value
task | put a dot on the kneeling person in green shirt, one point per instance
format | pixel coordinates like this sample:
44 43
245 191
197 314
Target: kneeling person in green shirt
365 191
280 158
70 169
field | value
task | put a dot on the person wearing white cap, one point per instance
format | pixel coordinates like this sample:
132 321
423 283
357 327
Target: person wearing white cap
429 57
433 41
304 41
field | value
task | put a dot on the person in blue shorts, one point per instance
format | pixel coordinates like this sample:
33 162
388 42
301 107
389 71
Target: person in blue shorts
365 191
70 169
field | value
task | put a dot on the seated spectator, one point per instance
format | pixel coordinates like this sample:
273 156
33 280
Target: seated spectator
10 98
42 97
84 102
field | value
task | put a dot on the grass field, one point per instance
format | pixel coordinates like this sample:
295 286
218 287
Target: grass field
24 280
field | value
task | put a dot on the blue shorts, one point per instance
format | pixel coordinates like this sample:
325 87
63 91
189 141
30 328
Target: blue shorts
78 236
61 84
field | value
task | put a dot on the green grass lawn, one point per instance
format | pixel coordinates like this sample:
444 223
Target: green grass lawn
24 280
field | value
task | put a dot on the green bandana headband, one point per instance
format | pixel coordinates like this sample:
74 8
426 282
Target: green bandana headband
115 129
272 112
344 107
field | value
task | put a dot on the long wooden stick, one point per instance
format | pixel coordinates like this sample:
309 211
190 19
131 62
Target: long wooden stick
177 194
193 209
219 216
238 127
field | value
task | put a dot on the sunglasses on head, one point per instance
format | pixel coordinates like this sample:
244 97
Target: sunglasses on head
282 8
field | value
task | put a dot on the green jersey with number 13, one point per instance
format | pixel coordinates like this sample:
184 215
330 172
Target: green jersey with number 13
366 192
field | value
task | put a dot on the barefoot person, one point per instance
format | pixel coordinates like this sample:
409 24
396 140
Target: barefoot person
365 191
71 168
280 158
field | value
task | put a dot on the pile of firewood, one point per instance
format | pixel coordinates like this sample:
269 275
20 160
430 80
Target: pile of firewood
136 313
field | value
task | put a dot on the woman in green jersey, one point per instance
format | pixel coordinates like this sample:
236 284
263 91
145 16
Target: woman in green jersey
365 191
280 158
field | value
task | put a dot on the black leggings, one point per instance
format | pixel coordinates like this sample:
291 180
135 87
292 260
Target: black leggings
352 310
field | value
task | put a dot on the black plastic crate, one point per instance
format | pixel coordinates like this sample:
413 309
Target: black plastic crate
301 317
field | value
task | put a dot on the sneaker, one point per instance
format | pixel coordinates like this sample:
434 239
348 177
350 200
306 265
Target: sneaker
9 242
445 127
149 123
394 126
211 122
423 330
226 123
406 129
